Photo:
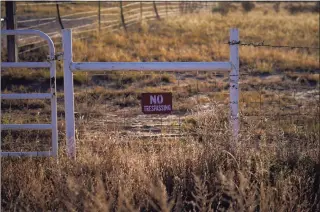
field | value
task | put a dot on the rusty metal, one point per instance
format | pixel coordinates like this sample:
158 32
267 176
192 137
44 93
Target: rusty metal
262 44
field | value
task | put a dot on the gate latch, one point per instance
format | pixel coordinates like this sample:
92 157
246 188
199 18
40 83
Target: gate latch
57 56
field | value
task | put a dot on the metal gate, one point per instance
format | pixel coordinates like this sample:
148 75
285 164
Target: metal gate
231 66
51 64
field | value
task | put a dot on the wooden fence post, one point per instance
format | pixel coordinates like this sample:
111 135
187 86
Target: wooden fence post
140 11
59 18
155 10
122 17
12 49
166 9
99 14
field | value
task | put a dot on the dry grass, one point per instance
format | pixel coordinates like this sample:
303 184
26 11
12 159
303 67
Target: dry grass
275 165
198 37
124 174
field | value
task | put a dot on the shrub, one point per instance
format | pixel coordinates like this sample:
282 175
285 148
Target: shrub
247 6
317 7
276 6
302 8
223 8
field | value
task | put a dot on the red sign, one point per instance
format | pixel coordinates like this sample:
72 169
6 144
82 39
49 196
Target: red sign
156 103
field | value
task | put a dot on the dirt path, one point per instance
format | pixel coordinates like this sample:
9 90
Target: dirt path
139 125
134 123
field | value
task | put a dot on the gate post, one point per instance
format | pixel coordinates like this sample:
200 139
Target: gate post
68 93
11 24
234 83
53 91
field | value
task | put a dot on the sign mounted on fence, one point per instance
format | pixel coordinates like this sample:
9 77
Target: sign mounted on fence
156 103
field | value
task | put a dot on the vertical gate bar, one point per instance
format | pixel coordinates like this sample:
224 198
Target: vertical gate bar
87 84
234 83
68 93
54 117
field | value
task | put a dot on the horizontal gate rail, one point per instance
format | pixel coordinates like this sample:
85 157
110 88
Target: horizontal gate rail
26 96
51 64
26 126
232 66
27 154
151 66
25 65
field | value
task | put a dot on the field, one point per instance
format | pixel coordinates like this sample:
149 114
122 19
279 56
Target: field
127 161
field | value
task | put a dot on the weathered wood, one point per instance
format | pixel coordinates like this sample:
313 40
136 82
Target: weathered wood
166 9
156 10
99 15
141 11
122 17
11 23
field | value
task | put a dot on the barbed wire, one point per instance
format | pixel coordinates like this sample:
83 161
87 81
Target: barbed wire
262 44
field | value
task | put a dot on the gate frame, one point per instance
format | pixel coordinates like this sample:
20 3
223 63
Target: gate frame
69 67
51 64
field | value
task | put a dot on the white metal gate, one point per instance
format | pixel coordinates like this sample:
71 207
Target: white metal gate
51 64
231 66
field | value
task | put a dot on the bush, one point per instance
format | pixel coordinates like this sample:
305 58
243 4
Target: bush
223 8
276 6
247 6
317 7
302 8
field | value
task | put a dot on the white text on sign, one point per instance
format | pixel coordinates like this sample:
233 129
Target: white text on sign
156 99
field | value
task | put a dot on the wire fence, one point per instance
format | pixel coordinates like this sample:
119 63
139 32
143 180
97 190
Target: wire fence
105 16
112 17
285 100
262 44
110 103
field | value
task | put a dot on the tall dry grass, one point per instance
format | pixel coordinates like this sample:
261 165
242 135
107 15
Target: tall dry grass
272 171
273 167
201 37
